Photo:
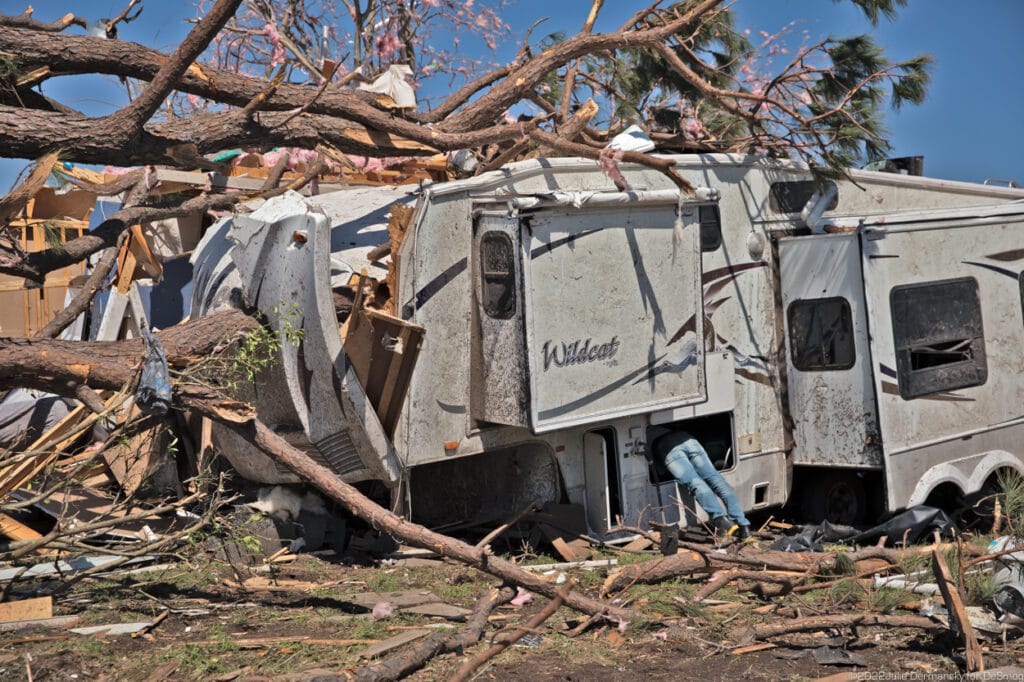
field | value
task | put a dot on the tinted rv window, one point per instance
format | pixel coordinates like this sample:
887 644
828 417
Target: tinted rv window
938 336
821 334
791 197
710 228
498 275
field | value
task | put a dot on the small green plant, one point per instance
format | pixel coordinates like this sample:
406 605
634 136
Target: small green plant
1011 497
256 352
291 323
979 588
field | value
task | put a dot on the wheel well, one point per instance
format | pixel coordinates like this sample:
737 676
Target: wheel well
946 496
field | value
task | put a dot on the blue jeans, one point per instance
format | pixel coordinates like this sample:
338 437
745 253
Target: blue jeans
689 463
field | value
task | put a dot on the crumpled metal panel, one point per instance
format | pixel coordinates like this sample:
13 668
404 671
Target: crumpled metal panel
282 253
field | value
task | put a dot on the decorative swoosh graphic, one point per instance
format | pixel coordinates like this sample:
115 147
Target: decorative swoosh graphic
993 268
601 392
1012 255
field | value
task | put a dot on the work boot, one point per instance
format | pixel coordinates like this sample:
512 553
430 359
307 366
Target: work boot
722 527
742 532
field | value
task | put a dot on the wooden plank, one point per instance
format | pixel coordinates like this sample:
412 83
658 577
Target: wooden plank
439 610
144 255
752 648
215 180
564 550
55 622
16 530
26 609
638 545
401 600
46 449
393 643
957 613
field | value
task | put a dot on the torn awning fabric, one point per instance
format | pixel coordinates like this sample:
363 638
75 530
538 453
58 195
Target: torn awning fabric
153 396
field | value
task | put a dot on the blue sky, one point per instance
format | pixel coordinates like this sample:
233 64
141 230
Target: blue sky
969 128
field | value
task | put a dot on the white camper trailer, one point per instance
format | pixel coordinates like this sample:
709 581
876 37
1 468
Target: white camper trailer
855 347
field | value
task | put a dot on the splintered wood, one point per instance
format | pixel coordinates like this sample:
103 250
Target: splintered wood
401 217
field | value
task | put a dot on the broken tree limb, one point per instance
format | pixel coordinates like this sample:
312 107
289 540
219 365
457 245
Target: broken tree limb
469 667
60 366
723 578
404 664
83 299
700 559
325 480
835 621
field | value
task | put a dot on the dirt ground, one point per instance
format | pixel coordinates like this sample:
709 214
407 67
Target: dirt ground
304 616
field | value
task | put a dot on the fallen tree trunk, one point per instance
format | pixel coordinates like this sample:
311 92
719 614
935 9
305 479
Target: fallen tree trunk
843 620
695 558
60 366
239 418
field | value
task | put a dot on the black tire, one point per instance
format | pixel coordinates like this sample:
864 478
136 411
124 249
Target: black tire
833 496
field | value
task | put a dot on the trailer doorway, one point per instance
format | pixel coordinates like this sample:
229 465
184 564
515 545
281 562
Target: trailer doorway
601 471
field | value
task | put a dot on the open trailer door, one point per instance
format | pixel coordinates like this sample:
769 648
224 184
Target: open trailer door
613 306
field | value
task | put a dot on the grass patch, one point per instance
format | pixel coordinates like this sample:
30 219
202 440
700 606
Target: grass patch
382 581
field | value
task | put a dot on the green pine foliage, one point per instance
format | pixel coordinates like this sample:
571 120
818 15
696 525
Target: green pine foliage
823 103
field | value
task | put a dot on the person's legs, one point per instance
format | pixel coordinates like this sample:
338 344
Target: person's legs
678 462
702 466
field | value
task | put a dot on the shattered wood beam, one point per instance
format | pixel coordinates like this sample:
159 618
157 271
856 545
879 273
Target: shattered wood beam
35 266
694 558
16 200
243 422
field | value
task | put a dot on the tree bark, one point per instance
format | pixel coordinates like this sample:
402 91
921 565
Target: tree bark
60 366
833 621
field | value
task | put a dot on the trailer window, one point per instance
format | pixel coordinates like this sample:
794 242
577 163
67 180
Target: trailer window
821 334
710 228
498 275
938 336
791 197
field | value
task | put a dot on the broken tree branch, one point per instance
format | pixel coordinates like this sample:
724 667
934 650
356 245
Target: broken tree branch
399 666
765 631
469 667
